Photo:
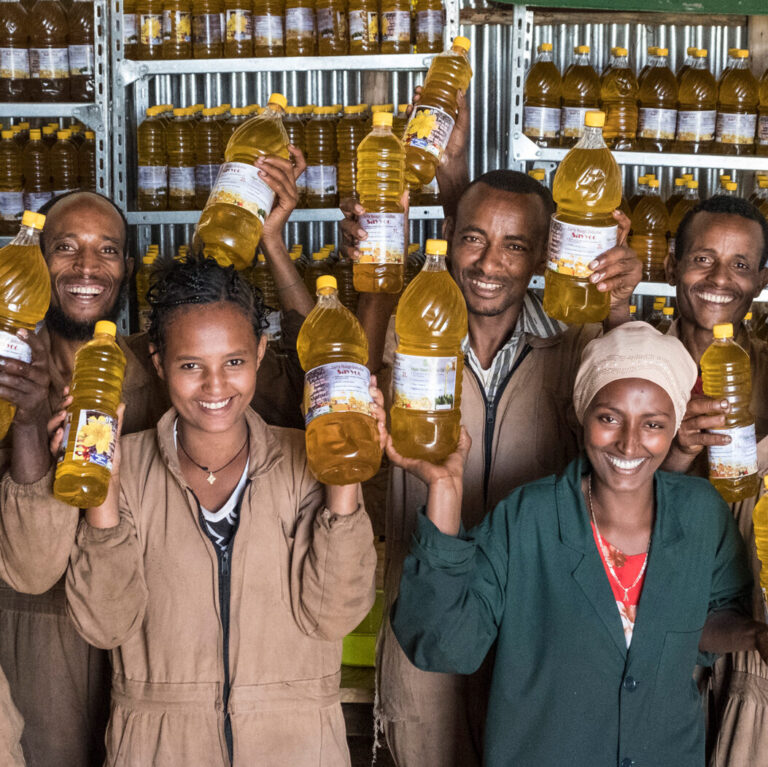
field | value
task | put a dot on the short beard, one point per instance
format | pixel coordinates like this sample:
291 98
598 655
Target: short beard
75 330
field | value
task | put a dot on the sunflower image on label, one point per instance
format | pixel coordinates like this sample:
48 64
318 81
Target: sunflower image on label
338 387
737 459
429 128
424 383
657 123
541 122
177 26
735 128
95 438
385 243
396 26
573 247
151 29
239 184
696 126
238 25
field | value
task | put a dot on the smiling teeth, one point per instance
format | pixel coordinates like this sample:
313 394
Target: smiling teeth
486 285
715 299
620 463
215 405
81 290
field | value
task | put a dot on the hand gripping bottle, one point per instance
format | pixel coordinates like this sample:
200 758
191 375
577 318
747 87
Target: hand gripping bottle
697 116
618 99
737 103
726 374
760 524
431 323
541 104
657 101
90 432
587 189
342 436
25 292
581 93
650 228
230 226
432 121
380 187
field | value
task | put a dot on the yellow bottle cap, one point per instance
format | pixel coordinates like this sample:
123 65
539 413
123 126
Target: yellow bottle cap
62 135
748 316
724 178
662 52
733 51
39 220
620 51
653 183
261 258
224 107
701 53
731 186
761 182
7 134
413 248
537 173
149 257
594 119
545 47
765 481
180 112
24 125
90 135
326 281
690 51
658 302
382 108
106 327
724 330
653 50
319 255
667 311
436 247
381 119
279 99
643 180
211 111
355 109
692 184
288 110
632 309
462 42
34 134
679 182
28 218
742 53
48 130
687 176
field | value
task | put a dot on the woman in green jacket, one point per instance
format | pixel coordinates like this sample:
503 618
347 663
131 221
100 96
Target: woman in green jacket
601 588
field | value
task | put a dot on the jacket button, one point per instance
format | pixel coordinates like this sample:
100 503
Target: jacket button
626 763
630 685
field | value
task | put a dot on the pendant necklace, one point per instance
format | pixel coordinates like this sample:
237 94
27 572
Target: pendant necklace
211 478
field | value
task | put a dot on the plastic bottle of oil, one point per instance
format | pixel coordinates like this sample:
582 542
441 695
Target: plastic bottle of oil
142 286
48 56
35 163
49 135
738 97
363 18
677 194
11 184
431 323
690 200
657 102
350 131
150 17
581 93
63 161
300 28
153 162
237 117
321 182
761 146
294 128
395 24
207 32
618 99
343 272
640 190
686 65
177 29
432 121
180 150
430 23
90 434
26 293
760 525
374 109
697 116
231 224
86 162
650 227
14 52
726 374
332 31
260 276
665 323
208 153
587 189
238 29
130 30
542 96
81 58
380 187
341 434
316 267
268 34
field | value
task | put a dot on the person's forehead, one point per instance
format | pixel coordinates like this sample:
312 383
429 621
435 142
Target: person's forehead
708 228
85 216
486 201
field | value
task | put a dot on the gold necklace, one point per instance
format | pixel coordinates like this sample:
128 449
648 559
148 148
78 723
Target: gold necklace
210 478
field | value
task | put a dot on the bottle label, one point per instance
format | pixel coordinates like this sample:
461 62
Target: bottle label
177 26
320 180
150 29
541 122
762 130
273 330
299 22
239 184
657 123
739 458
301 183
48 63
11 206
153 177
130 29
206 28
572 121
95 438
205 176
396 27
363 26
696 126
429 25
385 243
35 200
573 247
238 25
330 24
424 383
80 60
429 129
13 348
338 387
267 30
736 128
14 63
181 181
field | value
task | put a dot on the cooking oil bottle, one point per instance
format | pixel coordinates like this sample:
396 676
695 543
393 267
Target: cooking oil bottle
177 29
180 149
237 116
343 272
207 32
400 119
431 323
618 99
320 175
760 525
350 131
737 102
268 35
657 102
587 189
374 109
581 93
432 121
687 63
380 187
63 161
49 135
150 18
153 162
81 58
332 30
761 146
142 286
342 436
36 167
130 30
48 55
294 128
230 226
300 28
640 190
86 162
11 184
665 323
260 276
363 18
14 52
316 267
395 24
726 374
238 29
208 154
650 228
697 116
26 293
430 23
542 96
90 434
689 202
677 194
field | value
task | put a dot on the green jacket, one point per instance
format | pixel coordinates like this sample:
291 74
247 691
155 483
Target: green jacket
566 690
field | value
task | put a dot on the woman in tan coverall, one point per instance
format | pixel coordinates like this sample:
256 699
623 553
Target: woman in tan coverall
219 572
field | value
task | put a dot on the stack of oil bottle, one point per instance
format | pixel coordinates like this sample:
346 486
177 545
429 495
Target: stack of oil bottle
204 29
46 52
37 164
655 110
